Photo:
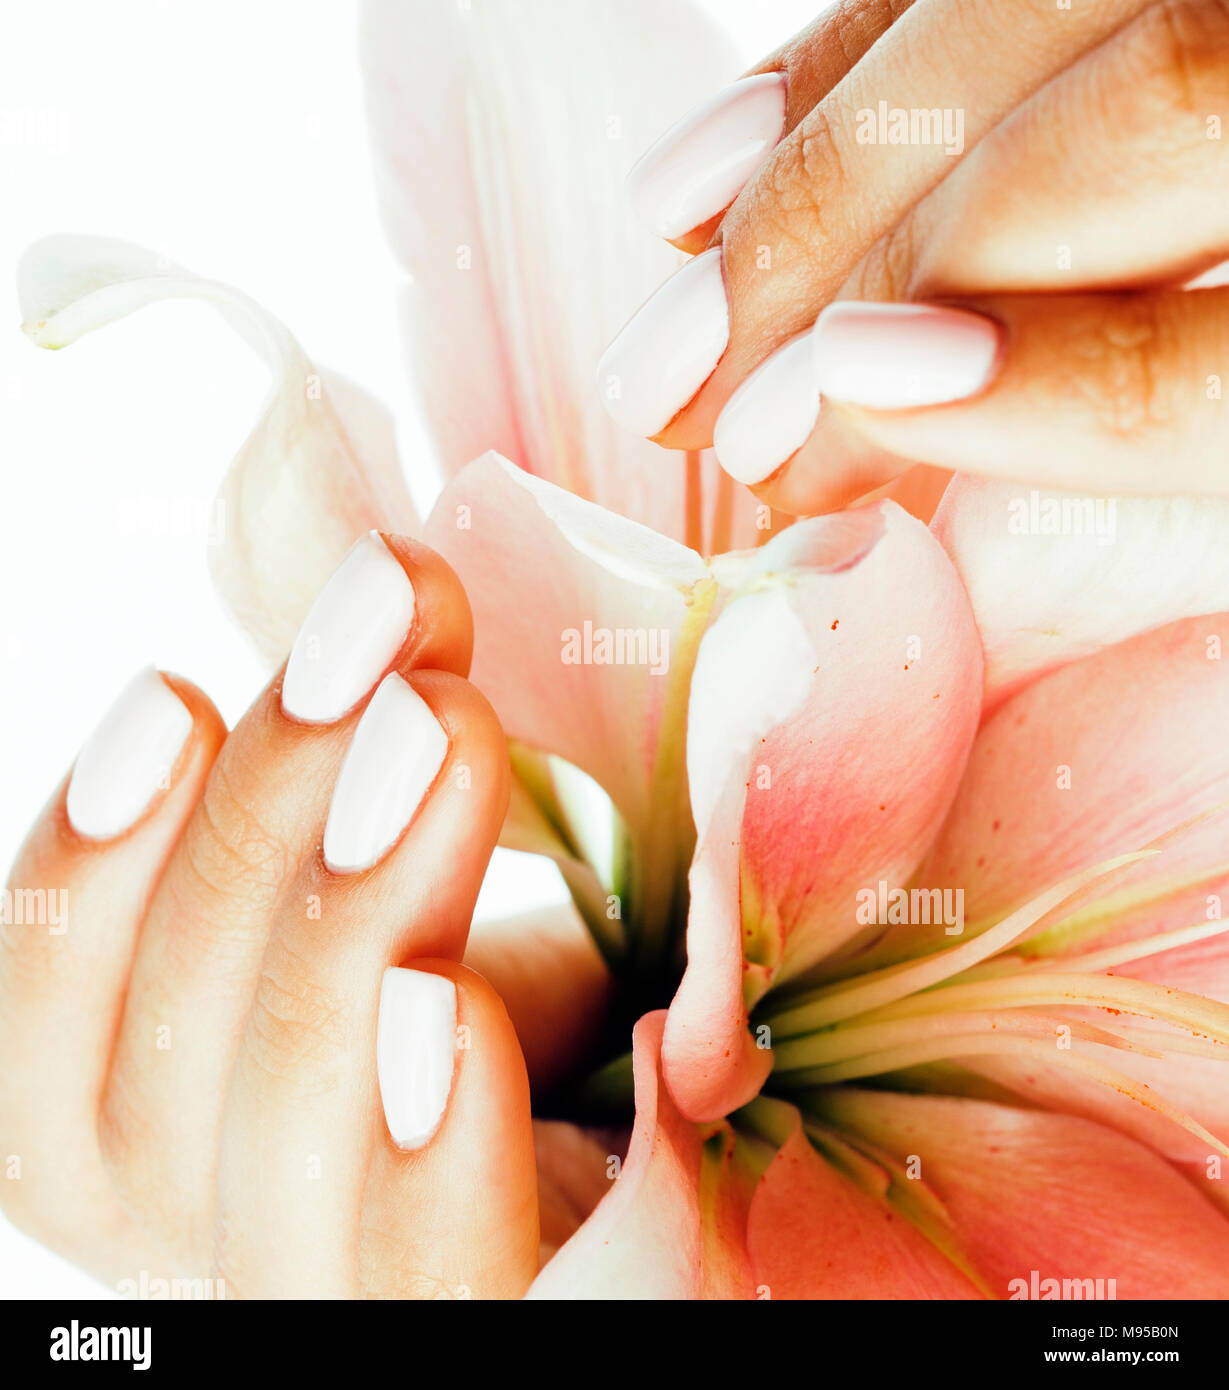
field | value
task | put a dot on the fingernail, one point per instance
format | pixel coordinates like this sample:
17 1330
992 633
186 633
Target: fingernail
128 758
770 415
416 1047
396 753
669 349
356 627
892 356
700 165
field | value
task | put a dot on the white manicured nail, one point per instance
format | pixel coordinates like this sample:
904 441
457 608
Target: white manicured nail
356 627
416 1048
894 356
669 349
699 166
396 753
128 758
770 415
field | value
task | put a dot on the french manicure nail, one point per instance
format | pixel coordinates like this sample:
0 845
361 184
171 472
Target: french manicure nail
396 753
700 165
894 356
357 625
128 758
770 415
416 1044
669 349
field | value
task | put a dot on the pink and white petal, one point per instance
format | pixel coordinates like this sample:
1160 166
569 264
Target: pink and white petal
812 1234
318 469
712 1062
1097 759
836 698
542 568
1027 1190
663 1231
1042 600
503 135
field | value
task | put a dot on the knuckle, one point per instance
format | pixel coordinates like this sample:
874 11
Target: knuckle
800 188
1118 365
299 1029
890 268
820 165
230 851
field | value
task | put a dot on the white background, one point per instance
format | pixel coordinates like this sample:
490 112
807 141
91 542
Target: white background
229 137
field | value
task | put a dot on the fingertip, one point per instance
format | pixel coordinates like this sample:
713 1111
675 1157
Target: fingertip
151 749
472 1182
443 625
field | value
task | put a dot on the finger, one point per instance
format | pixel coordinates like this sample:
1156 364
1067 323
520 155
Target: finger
682 186
454 1215
1108 393
1158 219
297 1127
74 906
826 195
1136 199
260 818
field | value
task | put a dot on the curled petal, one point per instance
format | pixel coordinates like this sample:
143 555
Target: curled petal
832 708
670 1226
585 631
318 469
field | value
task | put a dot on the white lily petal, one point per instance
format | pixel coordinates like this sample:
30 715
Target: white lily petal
503 134
319 467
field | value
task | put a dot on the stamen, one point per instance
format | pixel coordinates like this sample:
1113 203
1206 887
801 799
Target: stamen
827 1006
1135 950
1191 1012
847 1042
939 1049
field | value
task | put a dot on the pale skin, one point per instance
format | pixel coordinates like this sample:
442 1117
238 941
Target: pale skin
206 1028
252 1148
1086 195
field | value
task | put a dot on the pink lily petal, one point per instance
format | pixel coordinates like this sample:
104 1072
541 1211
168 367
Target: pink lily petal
1042 600
542 569
318 469
1141 729
1030 1191
833 705
665 1230
503 134
812 1233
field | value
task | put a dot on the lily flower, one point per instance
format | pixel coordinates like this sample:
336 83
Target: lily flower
915 848
855 1090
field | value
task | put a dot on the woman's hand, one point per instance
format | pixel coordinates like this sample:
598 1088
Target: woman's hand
1004 197
255 942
